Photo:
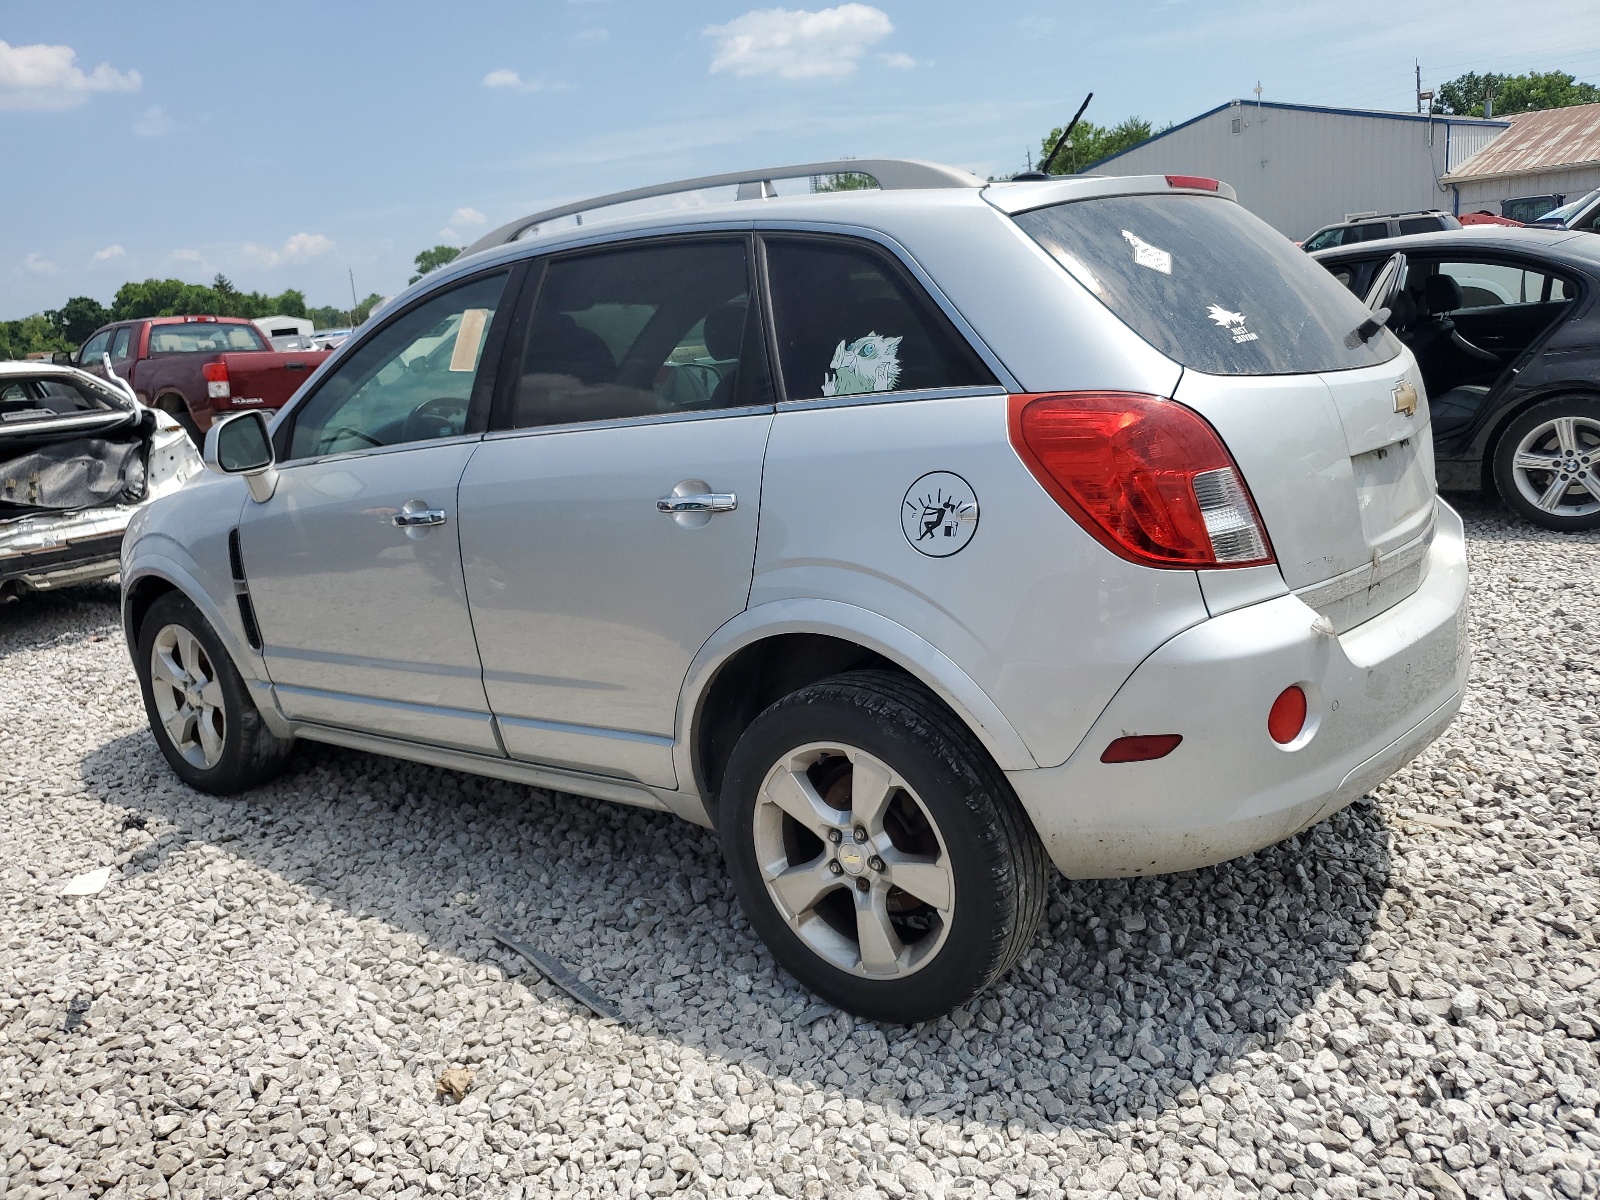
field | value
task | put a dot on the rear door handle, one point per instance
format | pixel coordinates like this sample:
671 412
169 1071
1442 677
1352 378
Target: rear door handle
705 502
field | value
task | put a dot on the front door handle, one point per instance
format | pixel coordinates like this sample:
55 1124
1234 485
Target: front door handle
704 502
417 515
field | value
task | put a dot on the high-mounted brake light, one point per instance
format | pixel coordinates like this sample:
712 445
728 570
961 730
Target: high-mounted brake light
1199 182
217 385
199 320
1147 477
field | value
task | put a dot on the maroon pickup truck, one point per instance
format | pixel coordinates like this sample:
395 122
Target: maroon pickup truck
199 368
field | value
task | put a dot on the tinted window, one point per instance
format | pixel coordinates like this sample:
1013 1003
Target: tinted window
203 337
410 381
1421 225
642 331
94 348
1367 233
1209 284
849 321
1491 285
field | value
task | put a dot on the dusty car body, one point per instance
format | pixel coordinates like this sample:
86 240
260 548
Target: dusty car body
78 458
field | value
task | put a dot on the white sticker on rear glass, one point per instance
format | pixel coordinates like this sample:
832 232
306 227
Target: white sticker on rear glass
1233 322
868 364
1147 255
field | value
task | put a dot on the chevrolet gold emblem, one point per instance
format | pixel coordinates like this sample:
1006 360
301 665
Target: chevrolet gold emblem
1405 398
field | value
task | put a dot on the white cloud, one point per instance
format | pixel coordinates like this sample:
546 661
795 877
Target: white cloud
306 245
591 37
48 77
467 216
900 62
38 264
798 45
153 123
112 251
187 256
512 81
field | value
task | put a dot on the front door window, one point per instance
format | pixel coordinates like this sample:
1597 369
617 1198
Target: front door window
411 381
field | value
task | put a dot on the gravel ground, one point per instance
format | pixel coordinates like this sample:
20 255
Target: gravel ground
1399 1003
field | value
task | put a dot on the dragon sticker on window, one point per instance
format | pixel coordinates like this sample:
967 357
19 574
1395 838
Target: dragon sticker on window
868 364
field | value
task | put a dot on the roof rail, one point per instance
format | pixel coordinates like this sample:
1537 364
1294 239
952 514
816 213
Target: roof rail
891 174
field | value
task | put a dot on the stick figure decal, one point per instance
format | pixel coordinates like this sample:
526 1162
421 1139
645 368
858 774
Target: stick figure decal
940 514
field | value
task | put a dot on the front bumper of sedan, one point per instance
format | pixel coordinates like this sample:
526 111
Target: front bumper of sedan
1377 695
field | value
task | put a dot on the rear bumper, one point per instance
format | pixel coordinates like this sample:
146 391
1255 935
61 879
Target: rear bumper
53 550
1378 694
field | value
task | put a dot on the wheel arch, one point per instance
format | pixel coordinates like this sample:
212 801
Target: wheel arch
772 650
1502 422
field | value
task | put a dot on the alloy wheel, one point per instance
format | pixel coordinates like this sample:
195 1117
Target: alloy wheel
188 696
1556 466
853 861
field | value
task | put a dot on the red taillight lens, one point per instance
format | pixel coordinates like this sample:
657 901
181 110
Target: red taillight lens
1193 181
215 372
1287 716
1141 748
1147 477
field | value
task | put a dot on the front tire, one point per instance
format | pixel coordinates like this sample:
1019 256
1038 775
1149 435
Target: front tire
1547 464
200 710
877 850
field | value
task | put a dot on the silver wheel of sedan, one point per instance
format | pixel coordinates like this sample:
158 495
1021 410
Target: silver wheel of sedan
1556 466
853 861
188 696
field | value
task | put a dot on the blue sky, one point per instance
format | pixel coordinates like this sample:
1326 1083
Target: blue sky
285 144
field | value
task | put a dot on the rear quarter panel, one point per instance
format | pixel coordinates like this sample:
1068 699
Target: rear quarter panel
1046 621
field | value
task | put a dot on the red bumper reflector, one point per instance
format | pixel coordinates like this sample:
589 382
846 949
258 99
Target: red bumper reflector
1288 715
1141 748
1193 181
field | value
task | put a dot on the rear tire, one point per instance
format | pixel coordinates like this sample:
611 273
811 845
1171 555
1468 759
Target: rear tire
940 897
175 408
1547 464
200 710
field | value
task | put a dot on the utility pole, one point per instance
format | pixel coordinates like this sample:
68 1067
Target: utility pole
1419 84
354 304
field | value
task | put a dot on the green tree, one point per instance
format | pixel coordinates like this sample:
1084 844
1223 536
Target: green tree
1091 143
850 181
30 335
1535 91
432 260
78 318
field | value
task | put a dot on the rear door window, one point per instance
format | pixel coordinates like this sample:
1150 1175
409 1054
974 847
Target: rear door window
1209 284
1493 285
641 331
1421 225
849 321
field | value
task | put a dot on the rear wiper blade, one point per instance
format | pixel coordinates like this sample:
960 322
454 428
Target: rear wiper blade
1365 331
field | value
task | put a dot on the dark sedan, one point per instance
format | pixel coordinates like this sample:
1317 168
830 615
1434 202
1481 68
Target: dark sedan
1505 325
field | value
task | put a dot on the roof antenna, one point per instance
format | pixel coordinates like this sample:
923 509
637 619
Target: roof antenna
1043 171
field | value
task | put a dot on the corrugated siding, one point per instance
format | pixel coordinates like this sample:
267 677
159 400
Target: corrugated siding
1467 140
1487 193
1301 169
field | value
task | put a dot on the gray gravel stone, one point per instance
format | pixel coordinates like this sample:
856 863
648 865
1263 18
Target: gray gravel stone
1397 1004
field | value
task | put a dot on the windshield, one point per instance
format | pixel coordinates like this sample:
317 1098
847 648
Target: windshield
201 337
1567 211
1209 284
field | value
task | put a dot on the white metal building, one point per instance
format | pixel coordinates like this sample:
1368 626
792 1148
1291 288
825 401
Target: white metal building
1550 153
1299 167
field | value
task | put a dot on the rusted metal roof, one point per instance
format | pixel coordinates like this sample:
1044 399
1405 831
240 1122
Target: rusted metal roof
1537 141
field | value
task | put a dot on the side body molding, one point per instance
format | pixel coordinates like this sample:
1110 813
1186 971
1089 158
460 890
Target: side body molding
878 633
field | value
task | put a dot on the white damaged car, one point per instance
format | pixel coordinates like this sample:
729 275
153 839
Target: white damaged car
78 457
915 539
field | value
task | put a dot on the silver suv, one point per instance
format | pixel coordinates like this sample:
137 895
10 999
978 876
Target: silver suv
915 539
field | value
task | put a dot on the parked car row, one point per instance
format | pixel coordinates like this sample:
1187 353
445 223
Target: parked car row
915 539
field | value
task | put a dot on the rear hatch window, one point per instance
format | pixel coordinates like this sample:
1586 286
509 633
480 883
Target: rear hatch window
1209 284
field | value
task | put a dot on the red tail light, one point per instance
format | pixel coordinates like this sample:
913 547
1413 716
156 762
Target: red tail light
1193 181
1140 747
1147 477
217 386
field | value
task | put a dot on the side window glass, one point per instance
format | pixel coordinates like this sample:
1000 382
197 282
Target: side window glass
119 348
642 331
1492 285
411 381
1421 225
1367 233
89 356
848 321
